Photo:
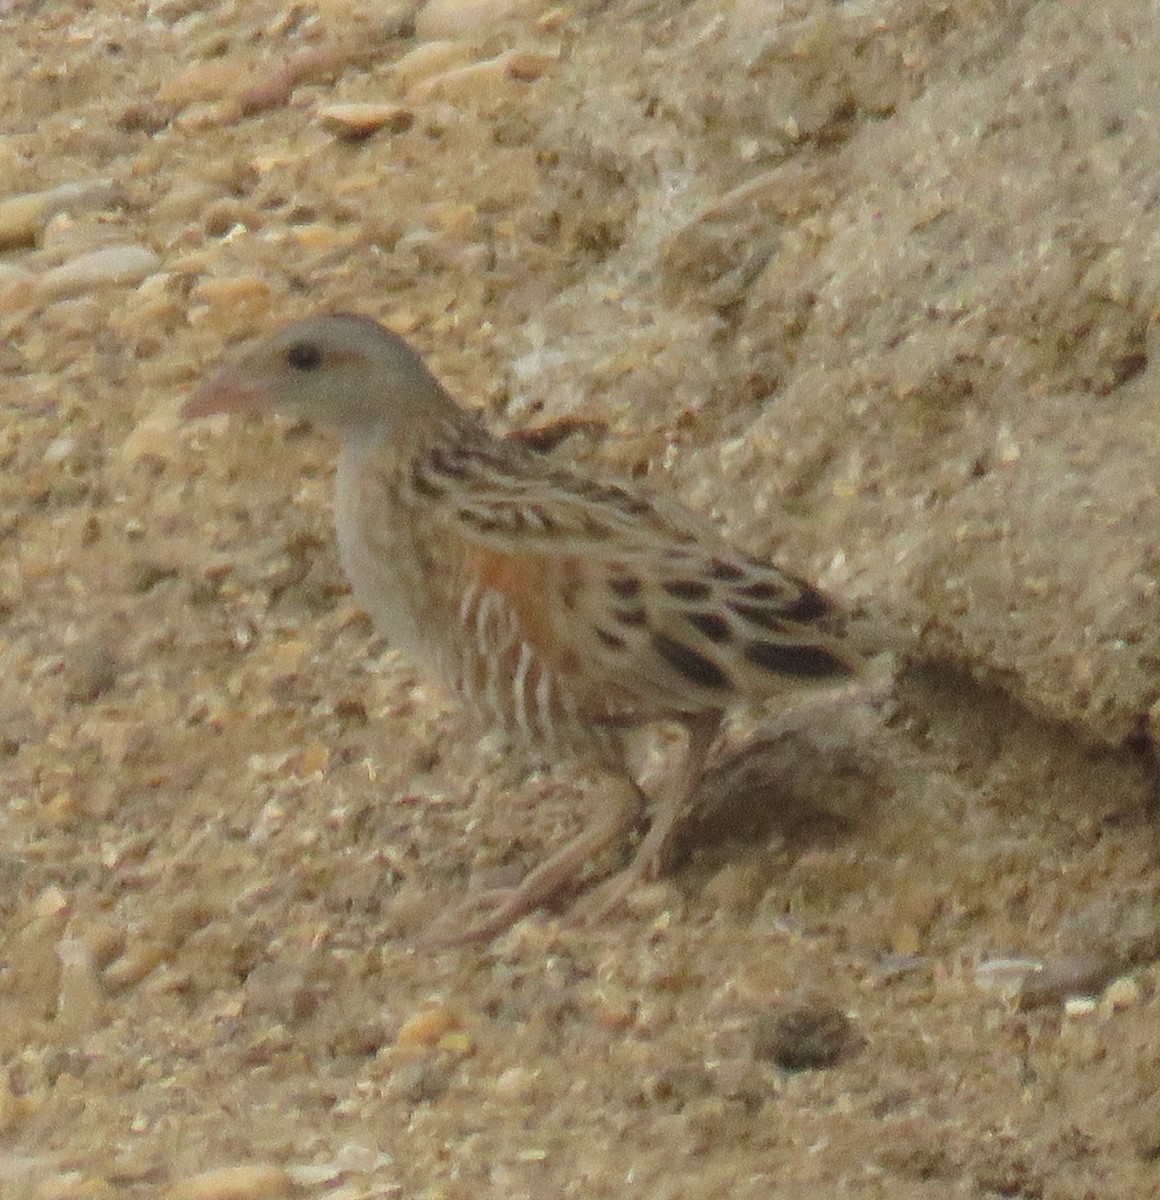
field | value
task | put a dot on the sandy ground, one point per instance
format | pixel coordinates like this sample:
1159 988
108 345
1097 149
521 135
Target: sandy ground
876 284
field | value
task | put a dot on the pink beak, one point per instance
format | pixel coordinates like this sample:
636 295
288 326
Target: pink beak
226 393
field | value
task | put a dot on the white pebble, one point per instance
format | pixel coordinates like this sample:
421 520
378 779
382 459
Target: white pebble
360 120
111 265
466 18
259 1181
23 217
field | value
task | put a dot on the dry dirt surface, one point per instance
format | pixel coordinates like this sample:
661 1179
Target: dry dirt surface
876 284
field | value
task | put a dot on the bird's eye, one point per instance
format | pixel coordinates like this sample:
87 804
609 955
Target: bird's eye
304 356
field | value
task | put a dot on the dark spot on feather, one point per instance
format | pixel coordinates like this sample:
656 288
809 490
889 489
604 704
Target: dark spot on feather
725 570
539 518
808 606
761 591
795 658
449 465
424 487
630 616
772 619
607 493
544 438
624 586
609 639
687 589
487 524
712 625
694 666
594 527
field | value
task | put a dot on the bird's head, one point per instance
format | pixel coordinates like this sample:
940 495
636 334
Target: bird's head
343 372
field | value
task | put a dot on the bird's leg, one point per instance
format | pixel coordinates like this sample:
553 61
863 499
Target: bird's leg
491 912
703 729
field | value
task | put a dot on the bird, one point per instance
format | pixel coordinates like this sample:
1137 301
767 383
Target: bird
562 609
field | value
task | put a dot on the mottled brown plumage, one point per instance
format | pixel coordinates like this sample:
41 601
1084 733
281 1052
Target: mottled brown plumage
561 609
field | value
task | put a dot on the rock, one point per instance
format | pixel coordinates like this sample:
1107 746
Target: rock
256 1181
476 85
429 59
207 80
111 266
238 303
469 18
80 995
23 217
804 1037
355 121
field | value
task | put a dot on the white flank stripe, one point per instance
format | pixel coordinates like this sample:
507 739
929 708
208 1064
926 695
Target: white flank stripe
470 596
520 685
544 706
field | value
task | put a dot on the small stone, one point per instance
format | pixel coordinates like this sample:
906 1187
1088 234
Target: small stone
51 902
92 672
527 65
430 59
145 574
470 18
257 1181
81 997
11 274
1123 993
422 1082
110 266
428 1027
103 940
649 901
312 760
1065 977
210 79
74 1186
275 89
152 437
239 303
1077 1008
476 85
133 966
804 1037
23 217
352 122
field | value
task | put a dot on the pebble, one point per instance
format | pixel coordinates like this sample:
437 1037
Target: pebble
131 967
10 273
210 79
431 58
124 264
74 1186
469 18
803 1037
23 217
427 1028
80 997
1066 977
355 121
527 66
236 304
1123 993
258 1181
476 84
275 89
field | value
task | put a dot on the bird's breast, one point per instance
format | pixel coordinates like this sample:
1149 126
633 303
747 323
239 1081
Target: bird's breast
380 543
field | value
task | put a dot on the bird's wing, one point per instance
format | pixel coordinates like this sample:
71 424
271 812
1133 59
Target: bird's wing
650 600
